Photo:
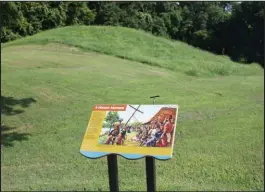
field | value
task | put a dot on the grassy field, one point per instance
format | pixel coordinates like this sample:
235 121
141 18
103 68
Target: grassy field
49 87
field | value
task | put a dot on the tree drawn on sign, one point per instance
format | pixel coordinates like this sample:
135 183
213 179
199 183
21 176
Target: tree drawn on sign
111 118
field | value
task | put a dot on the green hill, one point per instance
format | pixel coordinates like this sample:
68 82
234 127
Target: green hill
142 47
49 86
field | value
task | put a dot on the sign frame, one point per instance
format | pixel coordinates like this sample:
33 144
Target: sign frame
149 159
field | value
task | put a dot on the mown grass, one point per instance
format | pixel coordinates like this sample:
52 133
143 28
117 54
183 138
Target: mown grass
219 146
143 47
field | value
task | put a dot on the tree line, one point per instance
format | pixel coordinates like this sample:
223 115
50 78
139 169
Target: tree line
229 28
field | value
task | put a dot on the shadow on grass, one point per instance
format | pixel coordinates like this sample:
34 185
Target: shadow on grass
7 137
7 104
10 134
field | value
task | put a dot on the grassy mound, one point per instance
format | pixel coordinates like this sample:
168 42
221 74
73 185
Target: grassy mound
48 90
142 47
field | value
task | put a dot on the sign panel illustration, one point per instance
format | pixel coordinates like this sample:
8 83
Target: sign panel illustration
132 131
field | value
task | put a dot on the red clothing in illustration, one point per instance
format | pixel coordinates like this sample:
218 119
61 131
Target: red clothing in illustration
166 139
168 127
162 142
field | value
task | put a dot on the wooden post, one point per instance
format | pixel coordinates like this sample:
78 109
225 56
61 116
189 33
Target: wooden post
150 174
150 168
113 173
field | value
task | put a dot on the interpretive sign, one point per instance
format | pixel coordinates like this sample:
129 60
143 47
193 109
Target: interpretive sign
132 131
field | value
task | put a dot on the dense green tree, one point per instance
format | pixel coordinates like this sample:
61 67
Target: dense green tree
107 13
11 18
111 118
246 32
78 13
28 18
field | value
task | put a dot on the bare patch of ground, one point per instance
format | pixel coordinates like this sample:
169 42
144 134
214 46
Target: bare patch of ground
47 94
158 72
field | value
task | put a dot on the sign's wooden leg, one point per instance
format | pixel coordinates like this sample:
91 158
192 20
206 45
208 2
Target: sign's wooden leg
150 167
150 174
113 173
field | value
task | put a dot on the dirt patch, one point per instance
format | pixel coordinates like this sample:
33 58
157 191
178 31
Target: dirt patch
20 129
48 47
24 128
158 72
130 75
51 47
258 98
22 63
47 94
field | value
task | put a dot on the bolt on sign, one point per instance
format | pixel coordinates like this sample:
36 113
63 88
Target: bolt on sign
132 131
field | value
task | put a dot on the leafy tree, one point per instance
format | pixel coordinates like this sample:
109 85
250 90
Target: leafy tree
172 22
111 118
159 27
56 16
78 13
28 18
10 19
108 13
247 24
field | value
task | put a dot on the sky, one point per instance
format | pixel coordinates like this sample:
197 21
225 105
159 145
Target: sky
148 112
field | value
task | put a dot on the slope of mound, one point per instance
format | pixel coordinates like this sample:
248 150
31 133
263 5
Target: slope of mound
142 47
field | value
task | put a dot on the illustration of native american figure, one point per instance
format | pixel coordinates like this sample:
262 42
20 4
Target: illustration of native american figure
160 128
114 133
